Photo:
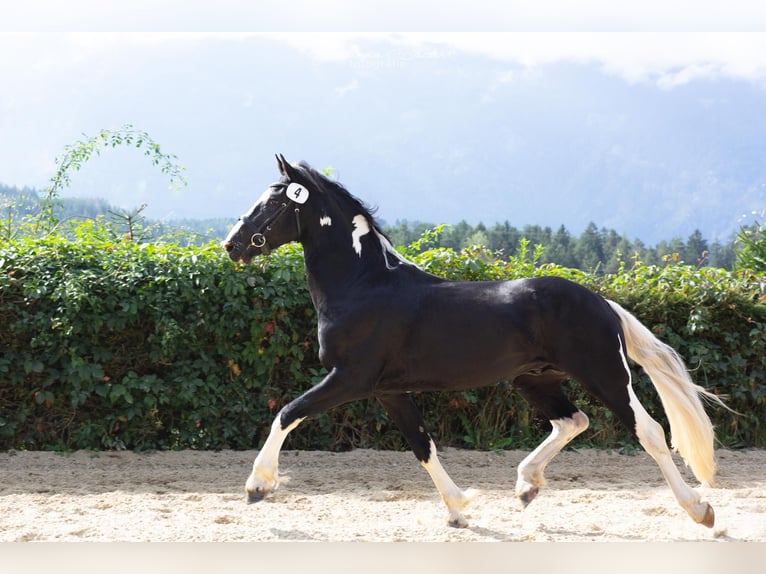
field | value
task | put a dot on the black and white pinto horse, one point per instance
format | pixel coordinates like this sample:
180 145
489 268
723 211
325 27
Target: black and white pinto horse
387 328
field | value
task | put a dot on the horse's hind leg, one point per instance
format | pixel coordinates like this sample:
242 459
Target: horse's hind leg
543 392
407 417
622 400
652 437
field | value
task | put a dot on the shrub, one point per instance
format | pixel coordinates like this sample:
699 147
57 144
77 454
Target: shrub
125 345
752 248
115 344
713 318
717 322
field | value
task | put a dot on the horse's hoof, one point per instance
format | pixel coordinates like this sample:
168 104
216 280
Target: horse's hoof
259 486
528 496
253 497
709 518
458 522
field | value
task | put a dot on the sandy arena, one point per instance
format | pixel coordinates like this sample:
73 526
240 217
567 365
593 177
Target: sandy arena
367 495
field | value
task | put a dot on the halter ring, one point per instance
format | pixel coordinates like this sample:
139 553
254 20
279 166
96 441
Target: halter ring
258 240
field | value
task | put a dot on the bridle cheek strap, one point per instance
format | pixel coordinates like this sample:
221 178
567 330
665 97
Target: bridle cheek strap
259 240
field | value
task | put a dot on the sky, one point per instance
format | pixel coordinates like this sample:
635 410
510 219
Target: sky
384 15
225 99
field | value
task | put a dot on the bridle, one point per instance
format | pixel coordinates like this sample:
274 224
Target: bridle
259 240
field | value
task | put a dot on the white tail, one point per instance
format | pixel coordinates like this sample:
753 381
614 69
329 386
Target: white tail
690 427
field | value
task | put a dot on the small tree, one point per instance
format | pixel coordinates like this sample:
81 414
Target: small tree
131 221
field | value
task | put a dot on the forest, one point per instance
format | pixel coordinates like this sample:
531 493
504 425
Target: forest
596 249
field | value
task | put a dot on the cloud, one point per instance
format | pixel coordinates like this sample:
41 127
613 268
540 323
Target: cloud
347 88
667 59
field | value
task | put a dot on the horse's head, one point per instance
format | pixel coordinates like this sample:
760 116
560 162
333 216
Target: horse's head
274 219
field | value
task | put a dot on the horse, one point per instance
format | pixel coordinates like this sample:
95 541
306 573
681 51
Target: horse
387 329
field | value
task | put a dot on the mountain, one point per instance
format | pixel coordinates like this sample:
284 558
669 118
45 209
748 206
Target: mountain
429 135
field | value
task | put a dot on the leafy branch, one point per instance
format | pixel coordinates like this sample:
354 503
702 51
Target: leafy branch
78 153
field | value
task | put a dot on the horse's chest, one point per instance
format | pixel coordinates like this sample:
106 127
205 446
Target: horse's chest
337 339
356 335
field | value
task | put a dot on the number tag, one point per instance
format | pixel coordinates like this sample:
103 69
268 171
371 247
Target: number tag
297 193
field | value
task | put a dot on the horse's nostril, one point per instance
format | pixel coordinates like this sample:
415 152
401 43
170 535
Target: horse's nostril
228 246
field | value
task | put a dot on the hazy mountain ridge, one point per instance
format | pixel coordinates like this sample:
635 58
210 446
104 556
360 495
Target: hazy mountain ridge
433 136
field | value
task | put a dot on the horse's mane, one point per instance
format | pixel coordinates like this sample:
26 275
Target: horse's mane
329 186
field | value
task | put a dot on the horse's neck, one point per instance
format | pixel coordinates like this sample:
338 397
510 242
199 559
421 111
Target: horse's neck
337 266
332 269
337 274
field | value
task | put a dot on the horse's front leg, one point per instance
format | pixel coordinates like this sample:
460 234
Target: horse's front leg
265 478
336 388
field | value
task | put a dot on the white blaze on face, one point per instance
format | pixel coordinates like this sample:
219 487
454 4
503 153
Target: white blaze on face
361 227
235 230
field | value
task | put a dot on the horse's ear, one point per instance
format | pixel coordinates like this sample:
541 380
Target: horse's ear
284 167
281 163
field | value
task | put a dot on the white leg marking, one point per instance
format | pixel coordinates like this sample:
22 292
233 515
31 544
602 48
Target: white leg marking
361 227
455 499
530 471
264 478
325 221
652 437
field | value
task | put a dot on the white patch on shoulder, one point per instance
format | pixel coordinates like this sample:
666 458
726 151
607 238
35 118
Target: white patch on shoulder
325 221
361 227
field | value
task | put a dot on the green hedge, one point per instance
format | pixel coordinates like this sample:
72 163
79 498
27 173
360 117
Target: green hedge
110 344
119 345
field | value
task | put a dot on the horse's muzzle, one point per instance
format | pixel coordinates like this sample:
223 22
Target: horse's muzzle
236 252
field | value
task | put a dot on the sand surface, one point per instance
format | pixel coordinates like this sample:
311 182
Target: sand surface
592 495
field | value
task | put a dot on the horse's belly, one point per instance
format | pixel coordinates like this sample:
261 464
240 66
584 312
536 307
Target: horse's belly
458 367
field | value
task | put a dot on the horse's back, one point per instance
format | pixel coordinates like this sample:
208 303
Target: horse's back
533 302
464 334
